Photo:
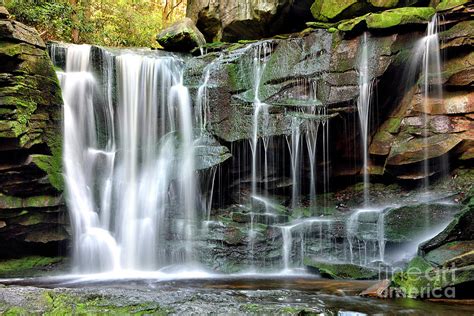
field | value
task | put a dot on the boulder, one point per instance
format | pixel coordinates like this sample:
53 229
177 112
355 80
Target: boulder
224 20
406 224
461 228
181 36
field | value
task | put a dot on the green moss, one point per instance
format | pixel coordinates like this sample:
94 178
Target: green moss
16 311
13 202
399 16
417 277
326 10
65 304
26 265
351 24
449 4
320 25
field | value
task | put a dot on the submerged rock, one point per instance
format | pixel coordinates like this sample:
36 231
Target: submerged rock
182 36
341 271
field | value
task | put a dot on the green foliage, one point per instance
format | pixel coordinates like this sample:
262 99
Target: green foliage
101 22
52 18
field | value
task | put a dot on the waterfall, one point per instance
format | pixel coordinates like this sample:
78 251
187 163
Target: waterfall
94 249
260 58
123 180
432 88
363 106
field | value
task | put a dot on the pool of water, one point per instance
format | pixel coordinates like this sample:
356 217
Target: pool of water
235 294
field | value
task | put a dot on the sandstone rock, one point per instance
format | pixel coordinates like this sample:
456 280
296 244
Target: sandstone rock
4 14
412 150
378 290
182 36
465 259
461 34
448 252
452 103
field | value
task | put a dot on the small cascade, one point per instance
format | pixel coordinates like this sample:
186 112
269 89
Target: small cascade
360 250
363 106
304 232
287 242
294 147
311 136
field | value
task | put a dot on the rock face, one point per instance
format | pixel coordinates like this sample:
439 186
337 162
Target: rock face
182 36
222 20
32 217
445 261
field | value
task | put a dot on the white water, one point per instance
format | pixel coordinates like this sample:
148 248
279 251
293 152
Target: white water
260 58
363 106
432 89
120 184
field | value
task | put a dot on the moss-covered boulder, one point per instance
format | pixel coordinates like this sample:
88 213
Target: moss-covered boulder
32 215
399 16
182 36
341 271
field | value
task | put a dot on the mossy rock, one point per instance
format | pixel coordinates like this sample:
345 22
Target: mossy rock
26 266
182 36
413 280
445 5
445 253
406 223
330 10
399 16
460 228
341 271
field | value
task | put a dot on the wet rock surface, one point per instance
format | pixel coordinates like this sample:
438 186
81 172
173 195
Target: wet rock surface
246 296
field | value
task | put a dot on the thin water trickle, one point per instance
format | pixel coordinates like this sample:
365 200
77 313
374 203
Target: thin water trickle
363 107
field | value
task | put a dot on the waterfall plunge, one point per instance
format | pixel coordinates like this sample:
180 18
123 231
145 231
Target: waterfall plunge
122 179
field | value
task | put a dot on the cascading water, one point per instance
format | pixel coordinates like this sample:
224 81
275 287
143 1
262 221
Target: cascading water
363 106
95 249
122 183
260 58
432 88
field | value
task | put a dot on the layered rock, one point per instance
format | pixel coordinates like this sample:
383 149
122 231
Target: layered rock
32 217
432 128
222 20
